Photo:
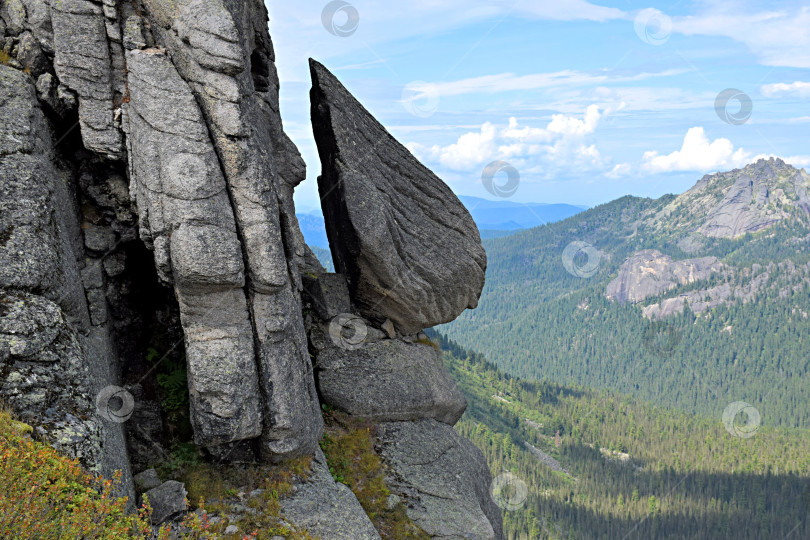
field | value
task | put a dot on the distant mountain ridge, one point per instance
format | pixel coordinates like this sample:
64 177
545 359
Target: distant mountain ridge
506 215
731 204
493 218
724 267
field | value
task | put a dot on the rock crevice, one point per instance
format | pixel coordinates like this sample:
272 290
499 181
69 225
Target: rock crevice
161 236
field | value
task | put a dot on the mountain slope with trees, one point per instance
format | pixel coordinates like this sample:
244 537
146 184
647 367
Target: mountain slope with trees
629 469
736 335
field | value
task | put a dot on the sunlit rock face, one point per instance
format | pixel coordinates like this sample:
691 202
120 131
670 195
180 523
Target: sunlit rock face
408 247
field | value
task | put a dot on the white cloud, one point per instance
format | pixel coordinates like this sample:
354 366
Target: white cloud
561 143
526 134
697 154
571 10
777 37
798 88
507 82
470 150
622 169
798 161
567 125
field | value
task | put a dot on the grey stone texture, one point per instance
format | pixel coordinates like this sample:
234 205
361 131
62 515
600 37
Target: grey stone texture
408 247
442 478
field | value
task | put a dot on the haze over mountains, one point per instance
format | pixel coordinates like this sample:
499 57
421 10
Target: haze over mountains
493 218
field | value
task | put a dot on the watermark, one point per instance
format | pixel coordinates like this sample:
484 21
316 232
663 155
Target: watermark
661 338
348 331
509 492
340 18
572 255
653 27
508 188
420 98
115 404
741 419
739 117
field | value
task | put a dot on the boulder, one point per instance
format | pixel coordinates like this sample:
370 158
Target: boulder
443 479
325 508
328 294
146 480
408 247
167 501
389 380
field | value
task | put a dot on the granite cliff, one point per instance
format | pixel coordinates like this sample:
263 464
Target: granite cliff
146 188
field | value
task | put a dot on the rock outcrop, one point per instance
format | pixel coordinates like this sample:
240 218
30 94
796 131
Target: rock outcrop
325 508
756 200
412 258
56 352
186 218
226 57
408 247
442 477
155 250
734 203
388 380
649 273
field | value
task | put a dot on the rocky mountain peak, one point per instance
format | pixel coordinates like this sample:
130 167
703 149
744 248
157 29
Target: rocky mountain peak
731 204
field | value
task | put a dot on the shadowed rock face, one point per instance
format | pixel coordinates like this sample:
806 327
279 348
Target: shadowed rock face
55 351
181 152
410 250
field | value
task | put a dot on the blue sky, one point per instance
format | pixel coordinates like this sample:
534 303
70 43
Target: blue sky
588 102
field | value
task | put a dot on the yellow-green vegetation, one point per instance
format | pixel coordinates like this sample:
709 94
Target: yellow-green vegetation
349 448
221 485
45 495
427 341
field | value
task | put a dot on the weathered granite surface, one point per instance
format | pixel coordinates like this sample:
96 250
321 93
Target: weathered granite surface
325 508
389 380
649 273
222 49
443 479
408 247
83 63
186 217
163 230
54 358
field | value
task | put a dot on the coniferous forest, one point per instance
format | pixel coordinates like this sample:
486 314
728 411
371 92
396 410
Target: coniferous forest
573 462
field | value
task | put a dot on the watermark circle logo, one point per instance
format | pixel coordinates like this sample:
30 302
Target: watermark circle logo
348 331
420 98
653 27
661 338
739 117
508 188
586 269
340 18
509 492
741 419
115 404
